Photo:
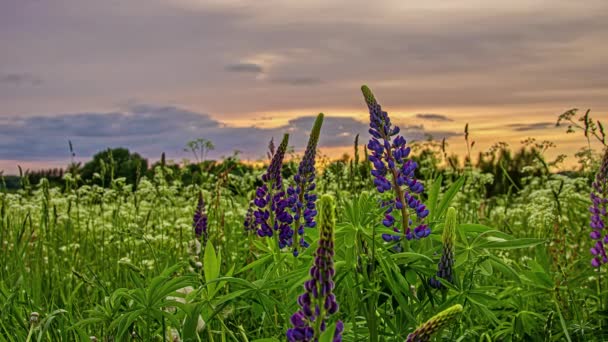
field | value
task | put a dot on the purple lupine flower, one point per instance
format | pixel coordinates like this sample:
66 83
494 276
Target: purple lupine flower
389 155
301 197
599 203
318 302
199 221
271 201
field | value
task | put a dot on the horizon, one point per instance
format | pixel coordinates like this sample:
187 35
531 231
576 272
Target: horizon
152 75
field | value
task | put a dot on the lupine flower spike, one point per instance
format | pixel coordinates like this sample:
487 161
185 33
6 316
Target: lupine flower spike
446 264
599 199
318 302
199 221
301 198
389 157
271 201
249 218
434 324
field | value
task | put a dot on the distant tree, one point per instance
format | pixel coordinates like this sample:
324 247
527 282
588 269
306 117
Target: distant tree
199 148
114 163
54 176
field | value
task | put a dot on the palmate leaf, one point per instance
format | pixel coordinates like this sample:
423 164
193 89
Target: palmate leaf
150 301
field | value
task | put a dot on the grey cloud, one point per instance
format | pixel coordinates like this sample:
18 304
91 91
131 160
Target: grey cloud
418 54
244 68
298 81
531 126
19 79
433 117
151 130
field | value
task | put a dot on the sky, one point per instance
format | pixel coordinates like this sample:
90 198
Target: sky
151 75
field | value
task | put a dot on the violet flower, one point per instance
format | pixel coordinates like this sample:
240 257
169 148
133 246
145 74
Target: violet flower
389 157
271 215
301 198
318 302
199 221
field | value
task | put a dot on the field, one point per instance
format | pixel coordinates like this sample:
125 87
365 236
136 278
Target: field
399 241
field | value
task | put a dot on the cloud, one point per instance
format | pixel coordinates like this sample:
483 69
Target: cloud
519 127
150 130
19 79
433 117
413 54
244 68
298 81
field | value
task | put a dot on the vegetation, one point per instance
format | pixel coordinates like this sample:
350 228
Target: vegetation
406 246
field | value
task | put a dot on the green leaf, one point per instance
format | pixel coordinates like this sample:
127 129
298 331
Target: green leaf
411 276
261 261
211 266
474 228
504 268
190 324
407 257
511 244
328 334
486 267
433 195
448 196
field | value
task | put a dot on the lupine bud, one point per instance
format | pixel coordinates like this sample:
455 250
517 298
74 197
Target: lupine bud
300 195
434 324
446 264
599 204
389 157
318 302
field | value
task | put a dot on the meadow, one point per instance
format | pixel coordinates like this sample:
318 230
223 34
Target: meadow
397 242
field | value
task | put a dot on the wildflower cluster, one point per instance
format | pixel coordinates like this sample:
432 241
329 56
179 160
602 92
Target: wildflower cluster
434 324
389 155
599 199
301 198
318 302
446 264
271 201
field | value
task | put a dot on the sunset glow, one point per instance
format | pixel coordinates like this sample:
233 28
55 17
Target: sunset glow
508 70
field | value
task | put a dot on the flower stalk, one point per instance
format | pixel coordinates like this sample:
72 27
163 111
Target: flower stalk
318 301
389 155
301 197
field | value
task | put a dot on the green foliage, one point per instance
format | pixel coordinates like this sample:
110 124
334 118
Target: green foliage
106 259
111 164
